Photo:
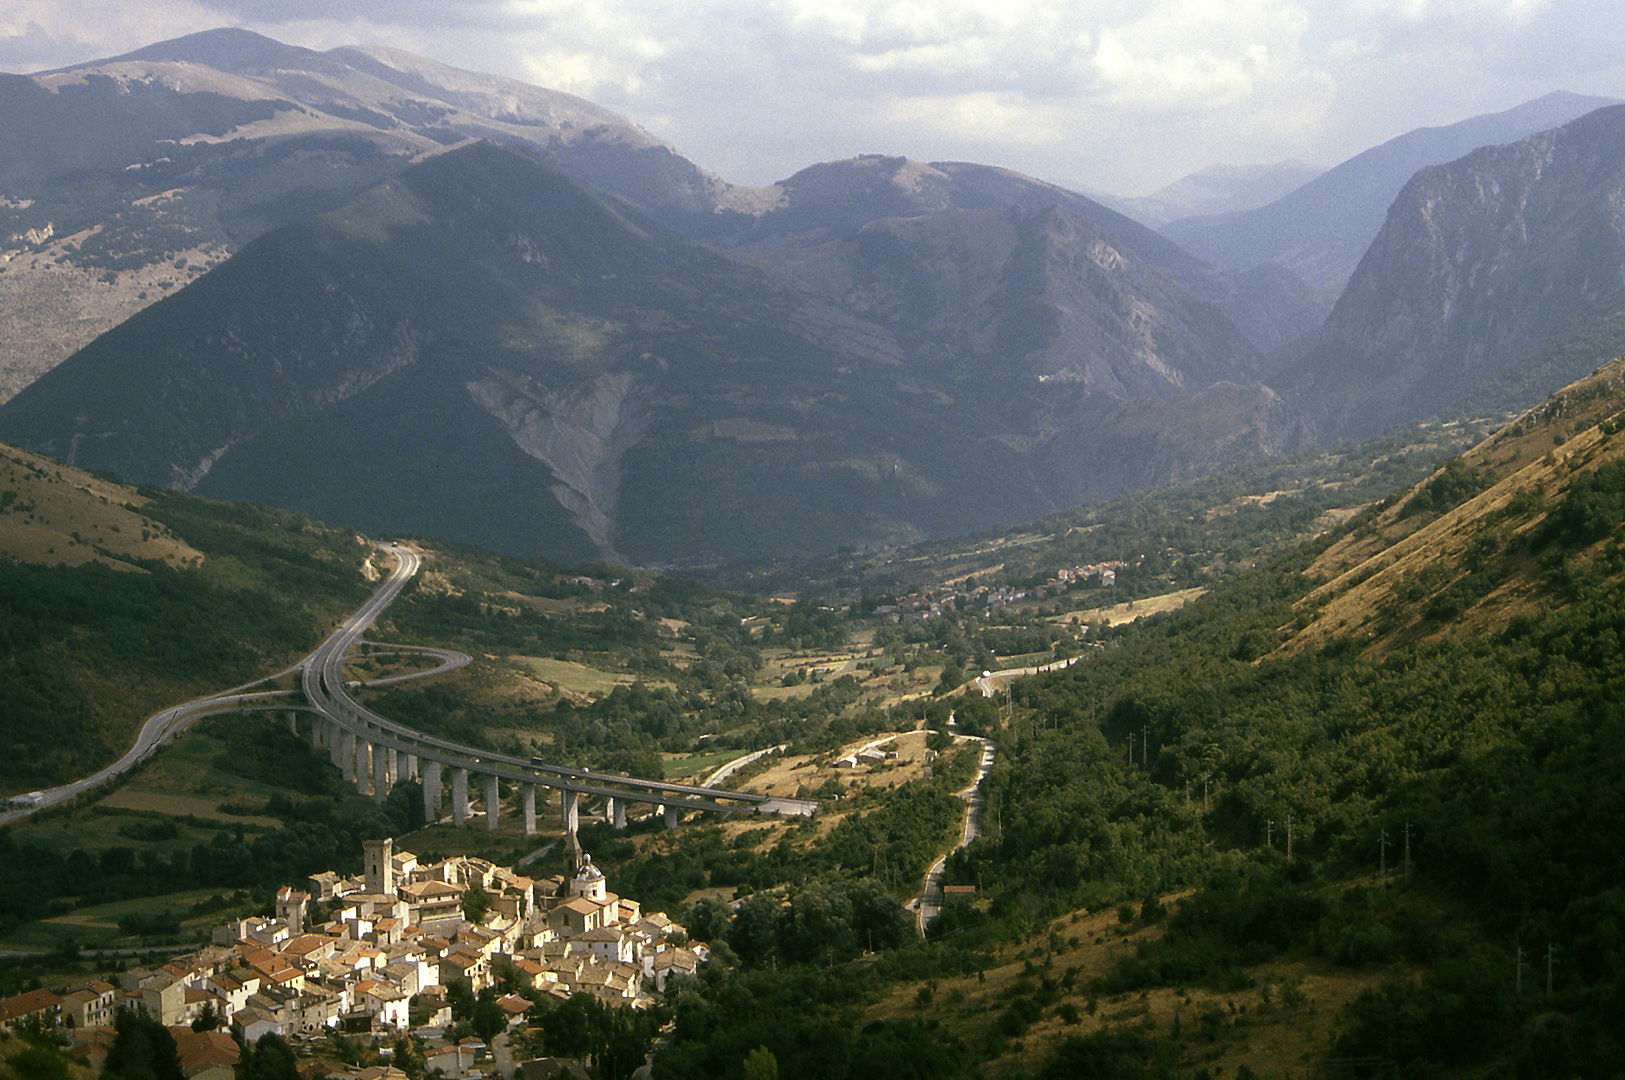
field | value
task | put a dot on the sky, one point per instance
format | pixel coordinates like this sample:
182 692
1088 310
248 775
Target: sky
1110 96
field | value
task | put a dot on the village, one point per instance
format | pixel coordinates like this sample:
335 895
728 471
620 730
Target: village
381 955
932 603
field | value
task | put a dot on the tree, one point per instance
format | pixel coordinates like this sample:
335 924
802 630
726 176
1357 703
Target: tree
489 1020
208 1018
753 934
476 902
760 1064
460 996
706 919
567 1030
143 1049
269 1058
40 1063
408 1057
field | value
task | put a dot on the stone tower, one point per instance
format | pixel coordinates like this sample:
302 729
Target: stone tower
290 908
378 866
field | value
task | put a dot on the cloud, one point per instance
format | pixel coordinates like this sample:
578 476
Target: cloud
1121 94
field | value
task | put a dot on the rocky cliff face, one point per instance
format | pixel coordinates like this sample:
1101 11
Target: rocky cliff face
1321 230
1480 262
979 269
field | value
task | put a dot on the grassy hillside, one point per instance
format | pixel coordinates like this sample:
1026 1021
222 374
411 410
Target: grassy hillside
115 603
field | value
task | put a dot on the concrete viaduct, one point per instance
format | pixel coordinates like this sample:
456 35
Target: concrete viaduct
375 753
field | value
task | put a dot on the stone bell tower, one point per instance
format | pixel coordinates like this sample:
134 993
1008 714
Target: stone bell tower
378 866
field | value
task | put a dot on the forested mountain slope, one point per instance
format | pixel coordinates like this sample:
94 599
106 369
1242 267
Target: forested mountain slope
1433 690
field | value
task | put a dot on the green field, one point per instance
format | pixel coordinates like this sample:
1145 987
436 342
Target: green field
687 766
573 678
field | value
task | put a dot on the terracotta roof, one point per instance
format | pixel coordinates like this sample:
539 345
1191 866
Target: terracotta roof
198 1050
581 905
33 1001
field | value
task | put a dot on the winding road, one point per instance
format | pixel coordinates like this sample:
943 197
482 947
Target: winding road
929 902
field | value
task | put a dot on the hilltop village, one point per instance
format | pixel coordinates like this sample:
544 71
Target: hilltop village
383 954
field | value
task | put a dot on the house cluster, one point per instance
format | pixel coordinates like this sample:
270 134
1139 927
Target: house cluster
932 603
366 954
874 753
86 1012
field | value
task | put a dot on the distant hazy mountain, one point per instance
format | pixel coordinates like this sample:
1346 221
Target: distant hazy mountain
1321 230
1217 189
484 349
1502 273
123 179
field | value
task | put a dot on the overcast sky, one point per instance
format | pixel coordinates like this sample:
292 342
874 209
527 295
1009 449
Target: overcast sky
1119 96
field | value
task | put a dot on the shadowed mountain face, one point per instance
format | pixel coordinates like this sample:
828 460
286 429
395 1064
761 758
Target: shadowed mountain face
1500 274
484 349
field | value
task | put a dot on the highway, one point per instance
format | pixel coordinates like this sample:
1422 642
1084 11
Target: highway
159 729
991 682
326 692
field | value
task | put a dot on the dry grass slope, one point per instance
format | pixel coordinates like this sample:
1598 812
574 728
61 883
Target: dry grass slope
54 515
1379 579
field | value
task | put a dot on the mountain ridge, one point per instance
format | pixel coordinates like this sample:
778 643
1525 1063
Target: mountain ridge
123 179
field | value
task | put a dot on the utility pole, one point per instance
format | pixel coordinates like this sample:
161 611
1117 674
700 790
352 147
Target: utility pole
1520 970
1385 858
1551 962
1407 854
1289 838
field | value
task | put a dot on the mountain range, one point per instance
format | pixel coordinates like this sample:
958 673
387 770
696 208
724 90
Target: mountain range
1212 192
487 349
417 299
1501 273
